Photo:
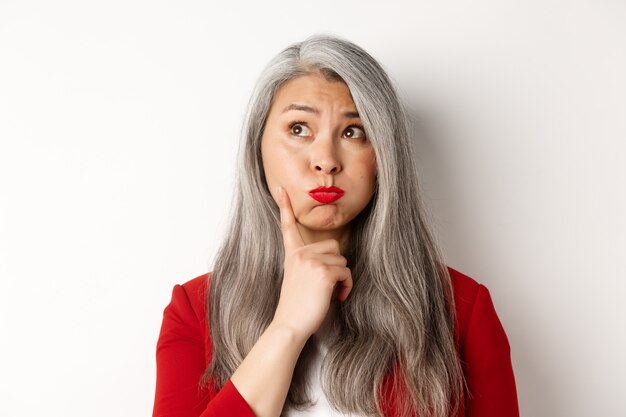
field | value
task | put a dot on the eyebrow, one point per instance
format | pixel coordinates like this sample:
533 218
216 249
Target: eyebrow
302 107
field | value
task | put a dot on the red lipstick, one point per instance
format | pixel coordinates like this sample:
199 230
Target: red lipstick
326 195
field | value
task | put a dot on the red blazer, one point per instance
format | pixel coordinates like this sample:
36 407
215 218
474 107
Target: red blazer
183 351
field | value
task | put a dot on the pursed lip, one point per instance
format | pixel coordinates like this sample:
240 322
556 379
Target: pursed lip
326 194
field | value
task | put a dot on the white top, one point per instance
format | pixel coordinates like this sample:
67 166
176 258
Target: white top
321 408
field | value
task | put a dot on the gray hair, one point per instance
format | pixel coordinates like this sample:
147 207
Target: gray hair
400 311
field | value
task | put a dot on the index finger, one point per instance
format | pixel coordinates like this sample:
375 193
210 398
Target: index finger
291 235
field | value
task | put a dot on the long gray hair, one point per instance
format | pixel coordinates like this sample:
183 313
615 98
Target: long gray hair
400 312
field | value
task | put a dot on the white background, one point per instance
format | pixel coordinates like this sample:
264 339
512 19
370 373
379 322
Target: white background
119 126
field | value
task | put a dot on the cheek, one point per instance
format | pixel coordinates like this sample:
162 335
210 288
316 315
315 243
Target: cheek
368 171
270 154
280 165
368 176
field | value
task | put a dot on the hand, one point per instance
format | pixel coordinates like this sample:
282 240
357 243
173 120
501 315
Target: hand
313 274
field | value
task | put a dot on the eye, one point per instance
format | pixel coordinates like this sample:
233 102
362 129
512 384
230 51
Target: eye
358 127
298 127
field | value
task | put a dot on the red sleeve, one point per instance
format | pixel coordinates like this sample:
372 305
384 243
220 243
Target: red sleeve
487 358
180 363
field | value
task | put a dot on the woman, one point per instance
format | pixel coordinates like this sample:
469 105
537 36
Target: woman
339 289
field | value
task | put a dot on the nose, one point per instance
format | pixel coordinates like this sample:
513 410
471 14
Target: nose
324 157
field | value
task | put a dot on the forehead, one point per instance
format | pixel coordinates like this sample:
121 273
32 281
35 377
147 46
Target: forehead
315 90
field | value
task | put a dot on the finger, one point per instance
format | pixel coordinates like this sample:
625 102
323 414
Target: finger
329 246
330 259
345 285
291 235
343 282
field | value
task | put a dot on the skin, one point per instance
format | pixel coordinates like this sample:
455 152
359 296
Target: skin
324 150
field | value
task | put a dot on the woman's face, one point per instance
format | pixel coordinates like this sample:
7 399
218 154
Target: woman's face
322 146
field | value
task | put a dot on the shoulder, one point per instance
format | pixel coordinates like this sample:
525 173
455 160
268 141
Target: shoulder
187 310
465 287
480 329
485 351
195 290
466 290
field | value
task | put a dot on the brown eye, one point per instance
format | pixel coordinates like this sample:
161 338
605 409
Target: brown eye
296 128
355 128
